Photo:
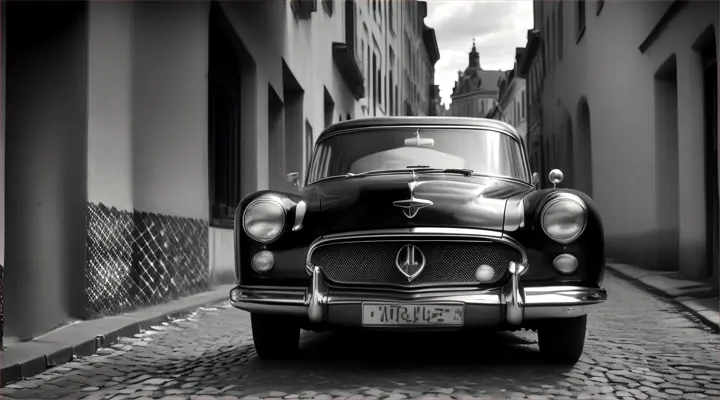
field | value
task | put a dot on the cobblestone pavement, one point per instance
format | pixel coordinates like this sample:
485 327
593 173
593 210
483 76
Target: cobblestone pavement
638 347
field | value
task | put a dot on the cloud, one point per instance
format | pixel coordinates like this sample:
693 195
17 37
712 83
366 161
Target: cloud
497 26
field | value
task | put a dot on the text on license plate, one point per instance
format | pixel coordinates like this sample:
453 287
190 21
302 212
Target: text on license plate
377 314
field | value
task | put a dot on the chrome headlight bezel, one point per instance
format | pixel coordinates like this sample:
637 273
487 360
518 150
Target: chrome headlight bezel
564 197
281 219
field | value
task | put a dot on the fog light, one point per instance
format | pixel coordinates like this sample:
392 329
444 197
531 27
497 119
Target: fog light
485 273
565 263
263 261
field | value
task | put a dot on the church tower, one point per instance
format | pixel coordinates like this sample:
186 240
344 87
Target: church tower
474 58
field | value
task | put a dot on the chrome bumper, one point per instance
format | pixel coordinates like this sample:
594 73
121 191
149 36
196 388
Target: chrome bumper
509 305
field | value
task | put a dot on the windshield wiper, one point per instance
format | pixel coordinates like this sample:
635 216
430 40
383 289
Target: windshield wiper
415 168
422 168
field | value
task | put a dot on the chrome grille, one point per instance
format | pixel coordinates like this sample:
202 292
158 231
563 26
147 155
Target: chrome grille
451 263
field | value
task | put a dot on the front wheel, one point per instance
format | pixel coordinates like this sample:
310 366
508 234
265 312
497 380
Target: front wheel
275 337
563 339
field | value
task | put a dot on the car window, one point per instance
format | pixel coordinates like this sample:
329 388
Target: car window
482 151
400 158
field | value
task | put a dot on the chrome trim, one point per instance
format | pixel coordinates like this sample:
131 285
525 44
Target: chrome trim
268 198
413 205
514 296
409 261
556 199
520 304
477 297
300 210
514 215
427 233
317 298
508 132
270 300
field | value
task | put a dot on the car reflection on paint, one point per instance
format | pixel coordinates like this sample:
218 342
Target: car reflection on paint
417 223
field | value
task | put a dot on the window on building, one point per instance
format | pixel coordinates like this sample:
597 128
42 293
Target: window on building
560 38
397 97
362 46
329 106
380 84
308 143
548 41
580 18
375 83
391 15
224 135
554 34
369 76
328 6
390 91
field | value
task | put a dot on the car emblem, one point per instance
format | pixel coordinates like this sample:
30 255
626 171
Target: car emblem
412 205
410 261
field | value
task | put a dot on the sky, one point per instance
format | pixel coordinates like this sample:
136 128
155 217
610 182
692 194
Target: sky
498 26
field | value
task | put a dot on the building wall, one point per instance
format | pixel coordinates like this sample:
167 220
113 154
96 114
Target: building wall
415 65
46 121
147 154
3 71
475 105
379 32
272 34
113 182
513 106
654 213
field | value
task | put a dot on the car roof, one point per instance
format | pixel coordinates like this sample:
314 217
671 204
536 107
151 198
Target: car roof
421 121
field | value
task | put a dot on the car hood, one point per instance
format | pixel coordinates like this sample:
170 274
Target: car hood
366 202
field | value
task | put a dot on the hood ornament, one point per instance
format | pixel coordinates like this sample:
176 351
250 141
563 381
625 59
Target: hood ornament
412 205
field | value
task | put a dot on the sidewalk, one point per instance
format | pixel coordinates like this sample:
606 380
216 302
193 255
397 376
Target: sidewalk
698 298
81 339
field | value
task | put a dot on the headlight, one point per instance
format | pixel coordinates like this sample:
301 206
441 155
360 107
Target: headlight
264 220
563 219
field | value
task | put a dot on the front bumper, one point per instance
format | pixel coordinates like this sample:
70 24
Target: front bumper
510 305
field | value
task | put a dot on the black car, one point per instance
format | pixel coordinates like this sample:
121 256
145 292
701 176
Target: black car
419 223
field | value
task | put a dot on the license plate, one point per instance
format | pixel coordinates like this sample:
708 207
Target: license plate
378 314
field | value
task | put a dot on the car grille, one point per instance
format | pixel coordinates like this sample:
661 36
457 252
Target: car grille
447 263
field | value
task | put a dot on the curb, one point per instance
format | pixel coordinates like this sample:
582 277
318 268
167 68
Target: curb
84 338
698 313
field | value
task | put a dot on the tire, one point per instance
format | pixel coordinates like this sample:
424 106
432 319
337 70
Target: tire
562 340
275 337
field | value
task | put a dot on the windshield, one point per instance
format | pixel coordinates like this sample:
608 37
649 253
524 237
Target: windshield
481 151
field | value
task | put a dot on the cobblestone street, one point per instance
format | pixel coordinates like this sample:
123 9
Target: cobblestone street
638 347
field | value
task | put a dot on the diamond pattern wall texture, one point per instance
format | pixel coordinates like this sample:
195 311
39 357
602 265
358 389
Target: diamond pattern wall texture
137 259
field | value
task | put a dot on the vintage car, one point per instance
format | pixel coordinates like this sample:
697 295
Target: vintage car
419 223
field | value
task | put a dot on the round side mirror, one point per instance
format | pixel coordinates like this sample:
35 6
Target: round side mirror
556 176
